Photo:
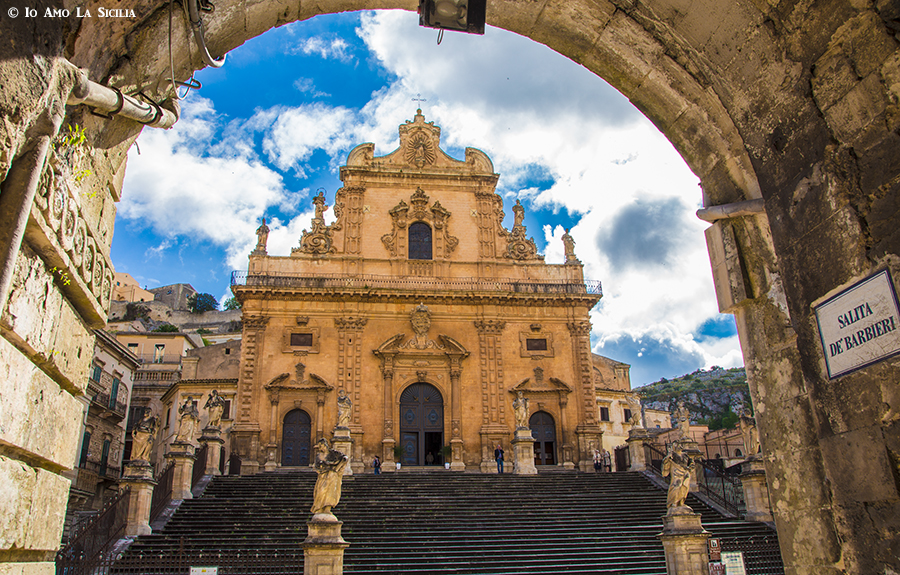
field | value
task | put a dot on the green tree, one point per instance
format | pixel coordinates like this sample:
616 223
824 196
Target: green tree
232 303
166 328
135 311
201 302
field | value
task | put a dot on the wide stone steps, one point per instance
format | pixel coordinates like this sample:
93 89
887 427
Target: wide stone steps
441 522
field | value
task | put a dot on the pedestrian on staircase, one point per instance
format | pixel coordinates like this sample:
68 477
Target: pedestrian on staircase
376 465
498 457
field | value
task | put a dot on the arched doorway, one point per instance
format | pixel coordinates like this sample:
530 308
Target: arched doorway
295 438
543 429
421 423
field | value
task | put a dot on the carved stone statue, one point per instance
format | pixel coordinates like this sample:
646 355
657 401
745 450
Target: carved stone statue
190 417
683 417
520 406
345 406
518 214
319 203
750 434
634 405
262 234
569 244
215 407
330 466
142 436
679 467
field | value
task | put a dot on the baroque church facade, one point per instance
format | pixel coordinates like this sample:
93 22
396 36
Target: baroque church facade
418 305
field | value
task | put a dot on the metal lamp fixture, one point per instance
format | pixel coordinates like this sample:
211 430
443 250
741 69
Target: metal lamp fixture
459 15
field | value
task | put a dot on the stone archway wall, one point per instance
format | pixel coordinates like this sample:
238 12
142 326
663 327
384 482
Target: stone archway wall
793 102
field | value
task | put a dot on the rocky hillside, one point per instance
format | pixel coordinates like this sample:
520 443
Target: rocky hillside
713 397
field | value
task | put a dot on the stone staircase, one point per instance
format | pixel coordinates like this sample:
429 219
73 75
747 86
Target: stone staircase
444 522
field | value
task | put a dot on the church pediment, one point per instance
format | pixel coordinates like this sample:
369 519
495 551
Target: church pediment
300 382
538 384
420 147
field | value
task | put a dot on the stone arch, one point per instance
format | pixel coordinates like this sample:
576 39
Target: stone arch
792 102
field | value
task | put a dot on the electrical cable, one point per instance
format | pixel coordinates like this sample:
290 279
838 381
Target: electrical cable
193 83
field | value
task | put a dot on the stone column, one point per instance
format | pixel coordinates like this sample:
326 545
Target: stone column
388 441
341 442
523 452
138 477
212 439
272 445
182 455
456 441
637 438
756 491
323 548
685 542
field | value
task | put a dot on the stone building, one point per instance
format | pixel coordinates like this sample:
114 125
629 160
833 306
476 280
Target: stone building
129 290
428 313
102 448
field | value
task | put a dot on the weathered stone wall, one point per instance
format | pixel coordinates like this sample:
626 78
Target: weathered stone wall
790 101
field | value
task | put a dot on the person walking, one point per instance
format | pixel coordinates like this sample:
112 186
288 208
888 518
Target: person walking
498 457
376 465
607 461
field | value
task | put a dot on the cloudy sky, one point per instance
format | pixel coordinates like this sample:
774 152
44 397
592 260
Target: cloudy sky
271 128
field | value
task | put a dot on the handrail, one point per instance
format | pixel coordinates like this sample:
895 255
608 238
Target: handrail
368 282
199 468
726 490
162 491
90 539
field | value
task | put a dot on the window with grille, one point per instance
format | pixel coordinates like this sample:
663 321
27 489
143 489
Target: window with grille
420 241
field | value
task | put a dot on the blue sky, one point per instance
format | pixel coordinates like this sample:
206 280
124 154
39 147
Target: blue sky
273 125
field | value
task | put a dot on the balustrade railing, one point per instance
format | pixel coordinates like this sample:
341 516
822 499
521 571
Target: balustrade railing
101 469
365 282
162 491
103 400
90 541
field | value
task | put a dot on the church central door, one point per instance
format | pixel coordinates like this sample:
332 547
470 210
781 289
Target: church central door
421 424
295 438
543 429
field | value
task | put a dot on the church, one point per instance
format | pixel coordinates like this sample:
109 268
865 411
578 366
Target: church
425 315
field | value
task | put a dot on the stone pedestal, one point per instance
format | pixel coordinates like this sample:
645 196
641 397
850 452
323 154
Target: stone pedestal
342 442
323 549
212 439
523 452
636 440
271 456
685 543
138 477
756 491
182 454
456 455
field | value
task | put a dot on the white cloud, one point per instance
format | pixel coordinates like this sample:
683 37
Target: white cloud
328 48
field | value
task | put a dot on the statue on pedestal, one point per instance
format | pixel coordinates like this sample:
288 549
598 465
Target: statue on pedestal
190 417
330 466
215 407
345 406
679 467
750 434
262 234
520 406
142 436
569 245
683 417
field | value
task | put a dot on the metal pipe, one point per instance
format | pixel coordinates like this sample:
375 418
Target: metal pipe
737 209
112 101
197 27
17 193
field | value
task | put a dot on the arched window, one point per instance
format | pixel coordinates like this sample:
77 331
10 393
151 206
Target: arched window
419 241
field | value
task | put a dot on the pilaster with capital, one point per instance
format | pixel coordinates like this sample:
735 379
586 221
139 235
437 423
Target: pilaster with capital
456 442
494 428
388 441
588 430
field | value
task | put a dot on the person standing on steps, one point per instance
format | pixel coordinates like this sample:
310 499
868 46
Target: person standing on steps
498 457
376 465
